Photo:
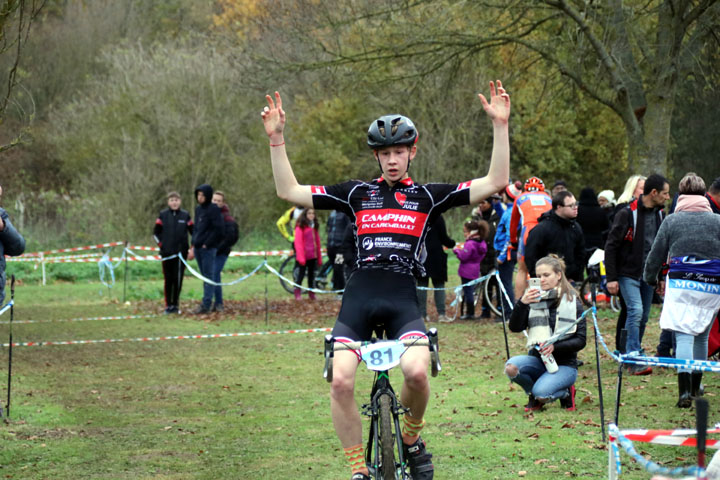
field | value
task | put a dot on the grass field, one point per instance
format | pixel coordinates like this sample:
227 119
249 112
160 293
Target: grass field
257 407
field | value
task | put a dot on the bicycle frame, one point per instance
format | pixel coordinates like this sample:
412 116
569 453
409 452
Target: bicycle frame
382 388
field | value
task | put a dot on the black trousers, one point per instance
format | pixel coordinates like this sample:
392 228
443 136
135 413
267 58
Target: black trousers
300 272
338 276
173 271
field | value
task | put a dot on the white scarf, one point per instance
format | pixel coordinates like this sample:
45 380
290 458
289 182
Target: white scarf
539 317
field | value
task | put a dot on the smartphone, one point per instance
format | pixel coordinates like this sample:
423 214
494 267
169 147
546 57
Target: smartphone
534 283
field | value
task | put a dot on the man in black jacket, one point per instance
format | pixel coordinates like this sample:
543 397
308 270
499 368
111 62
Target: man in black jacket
557 232
336 225
629 241
435 269
171 234
230 238
207 236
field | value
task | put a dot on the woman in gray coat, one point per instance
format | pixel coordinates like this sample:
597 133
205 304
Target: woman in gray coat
689 241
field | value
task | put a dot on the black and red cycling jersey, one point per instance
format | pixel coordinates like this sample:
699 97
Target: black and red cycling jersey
390 223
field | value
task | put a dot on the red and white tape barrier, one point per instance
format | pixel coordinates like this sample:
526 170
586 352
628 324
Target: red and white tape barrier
175 337
43 256
80 319
670 437
73 249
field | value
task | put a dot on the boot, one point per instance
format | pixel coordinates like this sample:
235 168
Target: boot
697 387
469 312
684 386
312 295
298 293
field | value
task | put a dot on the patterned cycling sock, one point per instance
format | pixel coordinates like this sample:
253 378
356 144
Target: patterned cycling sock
356 457
411 429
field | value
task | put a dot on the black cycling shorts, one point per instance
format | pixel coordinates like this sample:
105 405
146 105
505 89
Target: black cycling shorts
376 299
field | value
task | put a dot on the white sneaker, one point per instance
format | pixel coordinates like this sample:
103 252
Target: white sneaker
444 319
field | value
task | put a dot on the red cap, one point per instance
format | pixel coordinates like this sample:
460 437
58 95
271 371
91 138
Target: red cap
513 190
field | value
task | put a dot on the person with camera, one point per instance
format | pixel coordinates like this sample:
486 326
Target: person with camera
550 305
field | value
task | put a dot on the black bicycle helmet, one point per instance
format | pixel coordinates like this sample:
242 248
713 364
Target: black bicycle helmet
390 130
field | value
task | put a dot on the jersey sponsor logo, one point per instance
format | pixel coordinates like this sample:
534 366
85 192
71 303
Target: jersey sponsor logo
367 243
464 185
318 189
391 244
538 201
696 286
390 220
406 204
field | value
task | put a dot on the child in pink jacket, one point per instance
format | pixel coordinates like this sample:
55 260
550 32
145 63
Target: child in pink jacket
471 254
307 250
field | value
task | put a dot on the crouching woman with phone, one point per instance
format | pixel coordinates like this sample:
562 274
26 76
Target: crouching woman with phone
548 372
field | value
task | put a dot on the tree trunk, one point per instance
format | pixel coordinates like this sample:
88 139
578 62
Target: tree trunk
657 123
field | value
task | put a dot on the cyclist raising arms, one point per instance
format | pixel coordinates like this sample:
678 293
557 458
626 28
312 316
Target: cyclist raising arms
390 218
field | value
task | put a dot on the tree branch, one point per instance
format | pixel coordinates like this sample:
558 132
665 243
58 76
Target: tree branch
606 59
696 12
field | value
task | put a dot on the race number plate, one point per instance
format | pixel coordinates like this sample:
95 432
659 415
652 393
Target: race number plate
382 355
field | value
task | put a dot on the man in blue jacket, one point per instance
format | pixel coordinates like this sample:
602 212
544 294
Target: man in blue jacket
230 238
207 236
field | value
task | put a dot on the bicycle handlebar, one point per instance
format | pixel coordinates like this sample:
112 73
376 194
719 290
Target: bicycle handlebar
431 342
418 342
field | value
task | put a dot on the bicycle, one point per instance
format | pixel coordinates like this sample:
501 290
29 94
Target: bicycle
596 277
490 292
384 453
323 274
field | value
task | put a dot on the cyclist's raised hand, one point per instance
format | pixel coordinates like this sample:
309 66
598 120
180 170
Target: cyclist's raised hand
498 109
273 116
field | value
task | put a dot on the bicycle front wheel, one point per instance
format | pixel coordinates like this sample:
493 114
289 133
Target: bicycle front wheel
493 295
585 293
387 439
287 270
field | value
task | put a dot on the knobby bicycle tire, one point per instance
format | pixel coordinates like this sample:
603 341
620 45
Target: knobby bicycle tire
387 439
288 272
585 292
493 295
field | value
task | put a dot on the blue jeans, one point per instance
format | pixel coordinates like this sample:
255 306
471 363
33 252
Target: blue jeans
468 296
638 297
218 268
506 271
205 258
692 347
534 379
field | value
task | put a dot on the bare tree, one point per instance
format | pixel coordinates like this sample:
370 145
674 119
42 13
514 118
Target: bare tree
16 17
628 55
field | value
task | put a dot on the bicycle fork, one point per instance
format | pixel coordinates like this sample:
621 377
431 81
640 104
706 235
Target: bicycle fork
382 387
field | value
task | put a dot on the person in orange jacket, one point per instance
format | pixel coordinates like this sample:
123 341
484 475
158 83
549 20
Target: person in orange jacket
528 207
